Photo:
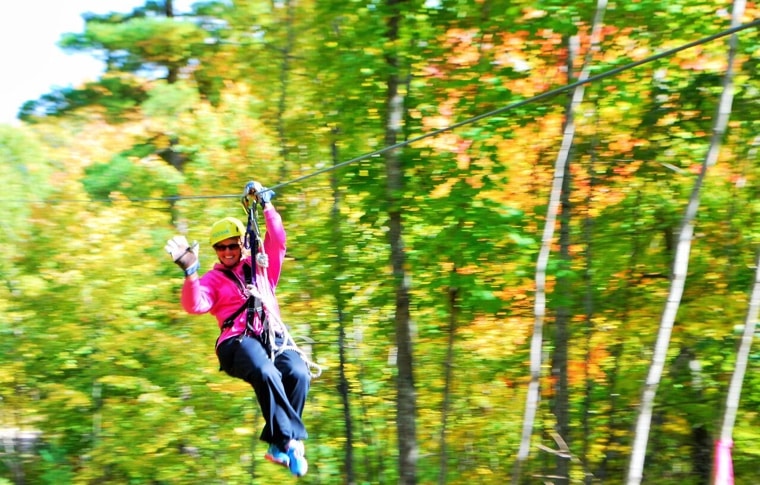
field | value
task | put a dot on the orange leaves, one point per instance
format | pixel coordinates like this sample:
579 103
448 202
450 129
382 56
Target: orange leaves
465 50
515 294
751 12
592 367
703 62
623 143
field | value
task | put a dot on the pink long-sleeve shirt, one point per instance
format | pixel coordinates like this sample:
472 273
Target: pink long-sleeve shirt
216 293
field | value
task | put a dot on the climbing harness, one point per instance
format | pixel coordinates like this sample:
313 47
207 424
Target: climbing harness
230 321
256 304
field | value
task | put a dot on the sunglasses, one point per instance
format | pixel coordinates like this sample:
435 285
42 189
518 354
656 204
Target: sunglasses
222 247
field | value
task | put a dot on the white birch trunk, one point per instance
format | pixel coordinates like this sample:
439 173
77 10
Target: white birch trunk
724 470
536 345
680 267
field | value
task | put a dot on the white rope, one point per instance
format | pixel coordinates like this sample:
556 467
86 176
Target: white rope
262 262
287 340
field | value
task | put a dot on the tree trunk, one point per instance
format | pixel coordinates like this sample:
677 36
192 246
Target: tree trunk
449 365
680 267
173 71
588 305
562 321
338 269
406 399
723 473
533 394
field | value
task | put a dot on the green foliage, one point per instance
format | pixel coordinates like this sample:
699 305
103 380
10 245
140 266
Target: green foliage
136 181
168 100
116 96
137 43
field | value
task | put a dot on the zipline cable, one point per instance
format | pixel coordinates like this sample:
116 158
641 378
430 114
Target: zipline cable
517 104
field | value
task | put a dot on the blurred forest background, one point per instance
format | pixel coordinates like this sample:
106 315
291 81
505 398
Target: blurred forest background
415 233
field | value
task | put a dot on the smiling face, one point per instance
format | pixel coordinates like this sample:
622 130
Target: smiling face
229 251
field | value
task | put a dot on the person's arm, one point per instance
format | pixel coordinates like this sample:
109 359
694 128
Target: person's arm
275 241
195 298
275 238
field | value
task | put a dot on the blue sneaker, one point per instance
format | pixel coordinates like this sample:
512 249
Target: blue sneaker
277 456
298 464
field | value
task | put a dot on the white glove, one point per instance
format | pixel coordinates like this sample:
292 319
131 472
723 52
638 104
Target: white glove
184 254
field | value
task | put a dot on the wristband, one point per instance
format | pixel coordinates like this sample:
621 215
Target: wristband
193 268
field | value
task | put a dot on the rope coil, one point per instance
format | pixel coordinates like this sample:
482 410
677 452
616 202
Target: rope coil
288 343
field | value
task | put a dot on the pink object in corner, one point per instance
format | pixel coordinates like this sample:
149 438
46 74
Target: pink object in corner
724 468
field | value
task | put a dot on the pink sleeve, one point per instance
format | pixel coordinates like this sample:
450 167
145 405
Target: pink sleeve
195 297
274 244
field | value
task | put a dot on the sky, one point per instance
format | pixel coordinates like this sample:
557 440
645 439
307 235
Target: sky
31 63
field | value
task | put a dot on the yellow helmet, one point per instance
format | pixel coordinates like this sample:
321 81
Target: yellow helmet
226 228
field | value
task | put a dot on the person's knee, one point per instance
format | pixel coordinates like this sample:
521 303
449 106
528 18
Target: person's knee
299 373
266 373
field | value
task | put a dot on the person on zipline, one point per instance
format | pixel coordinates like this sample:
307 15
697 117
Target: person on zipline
254 344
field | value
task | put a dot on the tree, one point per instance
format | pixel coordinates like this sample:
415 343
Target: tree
406 404
724 473
680 266
559 194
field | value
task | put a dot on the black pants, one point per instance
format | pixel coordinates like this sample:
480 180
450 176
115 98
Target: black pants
281 386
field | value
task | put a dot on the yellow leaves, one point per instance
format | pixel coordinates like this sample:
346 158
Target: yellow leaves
9 373
530 13
706 312
69 398
230 386
32 286
443 189
491 337
676 423
129 383
483 471
244 431
152 398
